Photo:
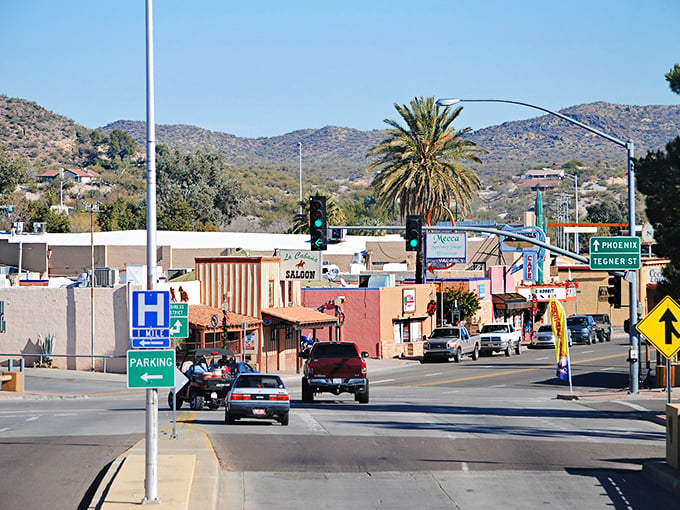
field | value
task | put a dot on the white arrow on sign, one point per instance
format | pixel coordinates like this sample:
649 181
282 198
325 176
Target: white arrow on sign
596 244
147 377
177 327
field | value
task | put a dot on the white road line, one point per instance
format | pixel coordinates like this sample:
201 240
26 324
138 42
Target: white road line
65 414
312 424
541 359
5 429
587 352
432 375
382 381
633 406
32 418
464 467
499 386
607 368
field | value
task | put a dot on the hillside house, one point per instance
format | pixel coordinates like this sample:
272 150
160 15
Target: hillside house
83 176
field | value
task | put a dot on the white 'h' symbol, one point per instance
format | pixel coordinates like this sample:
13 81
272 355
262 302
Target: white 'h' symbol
159 308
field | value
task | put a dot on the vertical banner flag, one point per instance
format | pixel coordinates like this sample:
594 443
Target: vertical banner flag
559 329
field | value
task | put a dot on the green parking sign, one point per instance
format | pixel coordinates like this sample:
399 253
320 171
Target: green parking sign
151 368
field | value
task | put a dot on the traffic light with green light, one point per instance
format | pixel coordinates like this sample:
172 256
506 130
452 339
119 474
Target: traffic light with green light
414 232
318 227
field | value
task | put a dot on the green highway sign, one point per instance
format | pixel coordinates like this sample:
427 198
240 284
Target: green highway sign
179 309
151 369
179 320
179 327
614 253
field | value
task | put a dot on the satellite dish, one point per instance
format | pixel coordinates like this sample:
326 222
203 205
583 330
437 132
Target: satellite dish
332 272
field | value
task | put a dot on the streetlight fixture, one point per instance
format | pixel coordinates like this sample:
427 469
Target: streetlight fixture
577 247
631 276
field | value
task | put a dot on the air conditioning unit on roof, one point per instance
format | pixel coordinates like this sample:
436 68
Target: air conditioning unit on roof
105 276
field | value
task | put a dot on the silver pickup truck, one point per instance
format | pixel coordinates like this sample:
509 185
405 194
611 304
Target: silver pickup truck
448 342
500 337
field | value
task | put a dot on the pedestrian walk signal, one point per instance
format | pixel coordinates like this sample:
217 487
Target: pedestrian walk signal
414 230
318 227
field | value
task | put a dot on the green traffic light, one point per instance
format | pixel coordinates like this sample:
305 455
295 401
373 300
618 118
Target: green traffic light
413 243
318 223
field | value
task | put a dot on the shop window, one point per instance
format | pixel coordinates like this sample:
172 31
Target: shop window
274 334
271 294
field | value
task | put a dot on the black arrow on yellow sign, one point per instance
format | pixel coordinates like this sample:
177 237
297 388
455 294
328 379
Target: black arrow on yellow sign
668 318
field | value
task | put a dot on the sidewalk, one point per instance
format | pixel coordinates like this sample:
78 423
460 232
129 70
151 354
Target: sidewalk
188 472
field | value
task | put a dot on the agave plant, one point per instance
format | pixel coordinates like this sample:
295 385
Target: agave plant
46 345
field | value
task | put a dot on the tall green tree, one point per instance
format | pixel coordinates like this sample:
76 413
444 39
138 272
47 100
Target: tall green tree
422 166
673 78
658 177
201 180
12 172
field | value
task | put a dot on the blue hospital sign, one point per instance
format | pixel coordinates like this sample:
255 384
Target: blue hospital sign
150 318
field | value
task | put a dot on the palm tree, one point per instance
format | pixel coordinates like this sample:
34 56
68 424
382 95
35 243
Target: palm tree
421 166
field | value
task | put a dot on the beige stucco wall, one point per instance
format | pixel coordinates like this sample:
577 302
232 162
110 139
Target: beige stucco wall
30 311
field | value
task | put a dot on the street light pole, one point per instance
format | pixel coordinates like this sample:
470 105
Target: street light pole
577 247
631 276
300 202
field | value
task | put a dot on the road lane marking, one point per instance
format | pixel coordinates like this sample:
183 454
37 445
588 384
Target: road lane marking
632 406
383 381
312 423
464 467
541 359
587 352
65 414
431 375
501 374
5 429
608 368
32 418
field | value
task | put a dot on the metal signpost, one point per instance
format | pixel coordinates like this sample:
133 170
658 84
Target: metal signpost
179 328
613 253
658 326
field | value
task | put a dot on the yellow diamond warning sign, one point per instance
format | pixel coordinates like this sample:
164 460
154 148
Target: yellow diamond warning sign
661 326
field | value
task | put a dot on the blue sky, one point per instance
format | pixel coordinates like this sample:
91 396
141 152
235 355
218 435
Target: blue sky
265 68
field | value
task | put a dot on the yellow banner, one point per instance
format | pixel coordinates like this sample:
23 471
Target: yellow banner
559 328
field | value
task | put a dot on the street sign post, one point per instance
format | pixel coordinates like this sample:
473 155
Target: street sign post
658 326
150 319
614 253
151 368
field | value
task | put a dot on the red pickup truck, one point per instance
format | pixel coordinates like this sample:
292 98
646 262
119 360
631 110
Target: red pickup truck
335 367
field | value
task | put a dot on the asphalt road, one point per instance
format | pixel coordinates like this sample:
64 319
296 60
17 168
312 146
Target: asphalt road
478 434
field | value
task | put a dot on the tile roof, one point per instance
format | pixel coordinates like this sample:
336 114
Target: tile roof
200 315
301 315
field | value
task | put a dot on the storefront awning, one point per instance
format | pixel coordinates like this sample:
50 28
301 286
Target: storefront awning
510 301
200 316
299 316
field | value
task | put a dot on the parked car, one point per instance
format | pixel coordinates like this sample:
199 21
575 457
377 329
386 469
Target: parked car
500 337
604 326
583 329
544 337
448 342
335 367
258 396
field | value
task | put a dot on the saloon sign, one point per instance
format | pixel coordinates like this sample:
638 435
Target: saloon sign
301 265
